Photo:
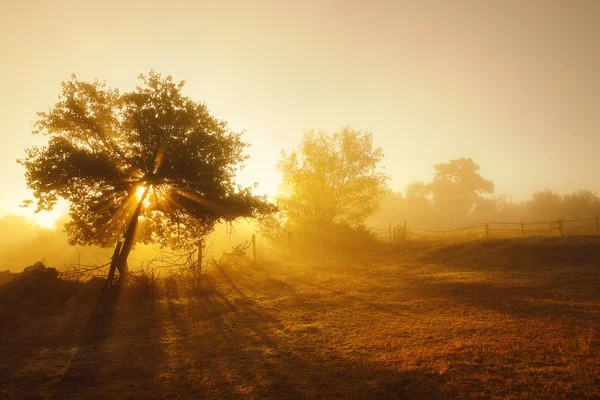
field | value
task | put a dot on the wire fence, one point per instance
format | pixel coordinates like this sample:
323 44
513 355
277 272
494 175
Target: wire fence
490 230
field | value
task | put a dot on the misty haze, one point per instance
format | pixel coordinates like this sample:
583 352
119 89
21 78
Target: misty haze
300 199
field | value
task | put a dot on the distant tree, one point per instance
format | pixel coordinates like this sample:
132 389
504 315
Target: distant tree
509 211
417 197
457 186
580 204
391 208
332 179
484 209
544 205
14 229
150 155
418 191
417 204
273 227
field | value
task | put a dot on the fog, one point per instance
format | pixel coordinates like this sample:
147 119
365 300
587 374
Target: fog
23 243
421 204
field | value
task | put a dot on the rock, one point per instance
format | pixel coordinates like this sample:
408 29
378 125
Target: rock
51 273
5 276
39 270
36 269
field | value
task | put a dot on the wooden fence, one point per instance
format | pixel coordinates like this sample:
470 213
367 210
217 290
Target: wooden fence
383 234
491 230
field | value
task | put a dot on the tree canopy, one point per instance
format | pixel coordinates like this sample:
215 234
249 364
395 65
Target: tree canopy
457 186
151 154
582 203
545 205
332 178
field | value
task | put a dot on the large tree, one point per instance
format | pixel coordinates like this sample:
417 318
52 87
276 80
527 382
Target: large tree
150 155
332 178
457 187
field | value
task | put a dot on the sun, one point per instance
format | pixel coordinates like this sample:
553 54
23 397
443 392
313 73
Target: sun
47 219
139 192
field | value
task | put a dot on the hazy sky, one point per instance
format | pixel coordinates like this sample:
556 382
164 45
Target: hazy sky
513 84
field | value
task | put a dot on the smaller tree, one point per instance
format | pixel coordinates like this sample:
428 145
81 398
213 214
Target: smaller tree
418 198
457 187
332 179
580 204
509 211
392 208
545 205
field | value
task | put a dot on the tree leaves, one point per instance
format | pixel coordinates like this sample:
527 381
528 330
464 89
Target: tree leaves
103 145
332 178
457 186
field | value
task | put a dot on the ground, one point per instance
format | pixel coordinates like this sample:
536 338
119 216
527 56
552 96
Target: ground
512 318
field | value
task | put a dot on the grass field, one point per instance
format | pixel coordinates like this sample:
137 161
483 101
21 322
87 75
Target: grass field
487 319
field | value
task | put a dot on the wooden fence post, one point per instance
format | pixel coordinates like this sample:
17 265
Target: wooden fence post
254 248
391 238
487 231
560 226
597 226
522 229
404 233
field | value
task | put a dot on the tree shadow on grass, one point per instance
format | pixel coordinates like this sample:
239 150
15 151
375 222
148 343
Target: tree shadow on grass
118 355
243 352
523 301
222 345
38 340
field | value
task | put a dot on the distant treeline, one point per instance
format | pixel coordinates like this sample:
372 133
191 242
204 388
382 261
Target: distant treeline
459 196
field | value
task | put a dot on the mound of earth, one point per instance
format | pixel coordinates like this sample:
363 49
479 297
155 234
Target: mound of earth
38 284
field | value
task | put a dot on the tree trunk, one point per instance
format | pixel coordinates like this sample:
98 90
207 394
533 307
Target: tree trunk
128 240
113 266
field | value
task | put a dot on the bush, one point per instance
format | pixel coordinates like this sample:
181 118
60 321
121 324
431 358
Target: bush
333 238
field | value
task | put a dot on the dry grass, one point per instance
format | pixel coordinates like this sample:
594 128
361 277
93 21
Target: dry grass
492 319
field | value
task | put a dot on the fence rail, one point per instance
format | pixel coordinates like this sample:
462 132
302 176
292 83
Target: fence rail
490 230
